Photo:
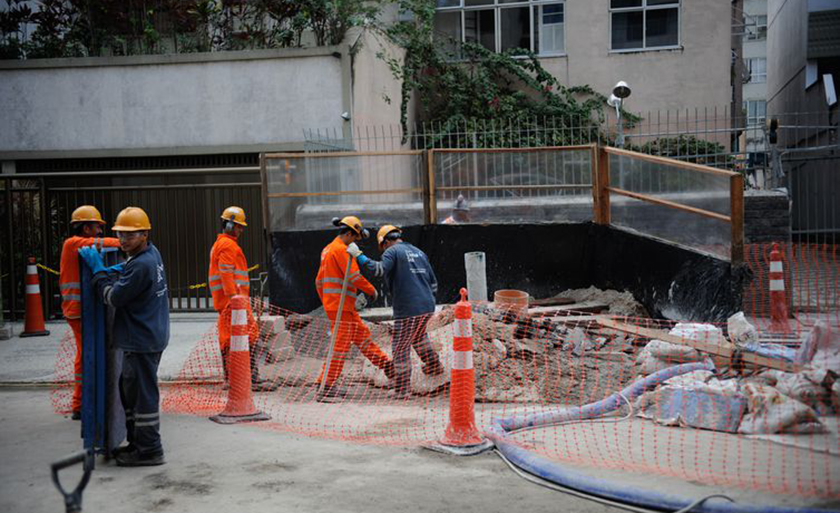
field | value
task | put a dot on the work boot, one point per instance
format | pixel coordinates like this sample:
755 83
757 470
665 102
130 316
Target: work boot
330 393
76 415
433 369
124 449
137 459
388 369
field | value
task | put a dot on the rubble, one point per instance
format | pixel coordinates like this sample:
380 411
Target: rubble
621 303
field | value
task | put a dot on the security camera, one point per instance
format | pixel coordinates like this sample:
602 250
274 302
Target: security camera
621 90
345 116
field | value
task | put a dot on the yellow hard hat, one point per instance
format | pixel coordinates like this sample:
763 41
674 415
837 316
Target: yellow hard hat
235 214
384 231
353 223
86 214
132 219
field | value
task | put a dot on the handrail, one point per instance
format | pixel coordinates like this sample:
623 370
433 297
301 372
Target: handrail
669 162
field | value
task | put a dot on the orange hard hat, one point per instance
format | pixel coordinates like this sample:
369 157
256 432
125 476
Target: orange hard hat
235 214
353 223
132 219
385 231
86 214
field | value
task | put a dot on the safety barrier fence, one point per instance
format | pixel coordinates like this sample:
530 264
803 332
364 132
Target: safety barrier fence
683 202
741 421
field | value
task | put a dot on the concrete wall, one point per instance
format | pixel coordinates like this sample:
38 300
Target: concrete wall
695 75
787 43
202 102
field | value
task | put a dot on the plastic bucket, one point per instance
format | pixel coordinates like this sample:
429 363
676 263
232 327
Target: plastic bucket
514 301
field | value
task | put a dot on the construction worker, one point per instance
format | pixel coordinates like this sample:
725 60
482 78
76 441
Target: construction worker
86 227
329 283
228 277
139 296
460 212
413 285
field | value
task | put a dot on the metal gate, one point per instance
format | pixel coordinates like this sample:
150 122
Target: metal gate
184 206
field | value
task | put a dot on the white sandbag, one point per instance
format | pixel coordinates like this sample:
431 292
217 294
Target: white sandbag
770 411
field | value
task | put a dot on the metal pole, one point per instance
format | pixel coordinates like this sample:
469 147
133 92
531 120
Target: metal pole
335 326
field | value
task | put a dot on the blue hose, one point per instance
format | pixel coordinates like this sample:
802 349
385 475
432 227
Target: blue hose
552 471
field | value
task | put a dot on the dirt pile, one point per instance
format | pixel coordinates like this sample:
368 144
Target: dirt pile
621 303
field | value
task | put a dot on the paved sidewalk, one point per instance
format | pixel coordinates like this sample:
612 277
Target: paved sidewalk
32 359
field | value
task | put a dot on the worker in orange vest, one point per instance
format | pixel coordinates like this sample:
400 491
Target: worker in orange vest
86 224
329 283
228 277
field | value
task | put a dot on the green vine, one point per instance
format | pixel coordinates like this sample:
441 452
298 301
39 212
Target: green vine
461 87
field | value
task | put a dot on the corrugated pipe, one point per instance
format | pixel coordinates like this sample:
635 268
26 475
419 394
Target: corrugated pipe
555 473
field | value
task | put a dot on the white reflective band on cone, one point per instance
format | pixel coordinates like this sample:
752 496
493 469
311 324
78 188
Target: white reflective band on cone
462 360
31 269
777 285
463 328
32 289
239 318
777 267
239 343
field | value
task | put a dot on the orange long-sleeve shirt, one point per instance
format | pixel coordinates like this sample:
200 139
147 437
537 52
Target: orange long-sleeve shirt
331 276
228 274
69 280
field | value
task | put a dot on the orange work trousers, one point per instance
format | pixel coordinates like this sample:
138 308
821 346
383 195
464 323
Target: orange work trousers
351 331
76 401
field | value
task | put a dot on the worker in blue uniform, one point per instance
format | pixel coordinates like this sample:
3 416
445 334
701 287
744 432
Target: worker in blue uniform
413 285
140 299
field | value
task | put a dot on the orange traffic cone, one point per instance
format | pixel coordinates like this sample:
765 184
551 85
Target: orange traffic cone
778 298
240 405
461 436
34 325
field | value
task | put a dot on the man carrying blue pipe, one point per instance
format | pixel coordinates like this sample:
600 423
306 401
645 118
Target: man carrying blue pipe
413 285
139 296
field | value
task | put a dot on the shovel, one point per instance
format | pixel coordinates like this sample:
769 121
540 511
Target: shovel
73 500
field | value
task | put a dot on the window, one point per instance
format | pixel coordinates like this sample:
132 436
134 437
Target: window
755 27
756 112
644 24
499 25
758 70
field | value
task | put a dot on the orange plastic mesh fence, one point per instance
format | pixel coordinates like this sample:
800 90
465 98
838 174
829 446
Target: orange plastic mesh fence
746 425
812 284
734 427
62 390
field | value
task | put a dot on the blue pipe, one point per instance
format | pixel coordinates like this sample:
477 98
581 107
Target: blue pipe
552 471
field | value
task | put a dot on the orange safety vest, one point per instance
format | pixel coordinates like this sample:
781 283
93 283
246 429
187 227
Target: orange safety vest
228 275
331 276
69 281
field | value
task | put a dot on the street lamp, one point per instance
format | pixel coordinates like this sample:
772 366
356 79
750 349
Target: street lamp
620 91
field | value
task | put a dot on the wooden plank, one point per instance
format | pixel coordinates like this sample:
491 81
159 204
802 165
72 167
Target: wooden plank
511 187
671 204
551 301
665 161
587 306
736 214
720 348
600 192
510 150
433 213
334 154
339 193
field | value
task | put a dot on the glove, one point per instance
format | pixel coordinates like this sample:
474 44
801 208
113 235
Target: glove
361 302
118 268
92 259
353 250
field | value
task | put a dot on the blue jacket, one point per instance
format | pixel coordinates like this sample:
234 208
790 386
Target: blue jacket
409 276
140 299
